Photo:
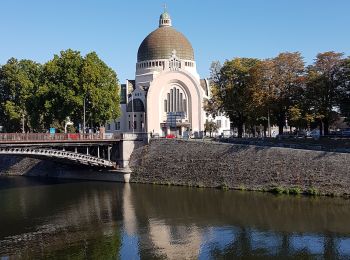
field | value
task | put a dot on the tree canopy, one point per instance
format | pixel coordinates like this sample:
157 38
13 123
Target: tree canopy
281 90
34 97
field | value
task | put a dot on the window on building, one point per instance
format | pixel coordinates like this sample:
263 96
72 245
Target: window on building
129 125
117 126
135 125
135 105
108 126
218 123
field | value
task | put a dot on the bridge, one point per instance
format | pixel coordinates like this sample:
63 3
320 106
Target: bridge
109 151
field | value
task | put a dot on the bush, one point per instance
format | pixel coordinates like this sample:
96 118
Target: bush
278 190
312 191
224 186
242 187
295 191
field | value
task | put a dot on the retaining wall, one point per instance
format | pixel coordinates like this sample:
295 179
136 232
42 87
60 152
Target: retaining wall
240 166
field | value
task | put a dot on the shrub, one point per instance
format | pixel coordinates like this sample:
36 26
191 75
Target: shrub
200 185
277 190
224 186
312 191
295 191
242 187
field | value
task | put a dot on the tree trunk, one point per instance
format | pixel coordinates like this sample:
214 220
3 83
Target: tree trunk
268 123
252 131
280 122
23 122
240 130
280 129
326 127
321 127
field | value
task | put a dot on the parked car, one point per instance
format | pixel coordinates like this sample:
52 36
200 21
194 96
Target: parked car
314 133
186 135
345 132
170 136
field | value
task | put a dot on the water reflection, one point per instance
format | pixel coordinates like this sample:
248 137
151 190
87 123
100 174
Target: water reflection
46 219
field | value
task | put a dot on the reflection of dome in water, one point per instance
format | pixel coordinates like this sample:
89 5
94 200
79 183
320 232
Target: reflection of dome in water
160 43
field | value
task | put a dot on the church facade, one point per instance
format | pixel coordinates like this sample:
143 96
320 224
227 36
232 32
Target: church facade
167 95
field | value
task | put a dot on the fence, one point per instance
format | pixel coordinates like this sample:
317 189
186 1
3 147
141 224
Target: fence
21 137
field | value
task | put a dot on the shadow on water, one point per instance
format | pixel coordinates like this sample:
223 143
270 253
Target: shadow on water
6 162
110 220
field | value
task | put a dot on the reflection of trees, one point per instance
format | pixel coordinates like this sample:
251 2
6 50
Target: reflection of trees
285 245
214 207
95 246
65 219
282 216
241 246
330 248
85 220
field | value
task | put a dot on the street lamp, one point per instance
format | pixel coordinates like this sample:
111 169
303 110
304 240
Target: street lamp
84 122
86 99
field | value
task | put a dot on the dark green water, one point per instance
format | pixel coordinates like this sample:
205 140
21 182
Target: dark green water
52 219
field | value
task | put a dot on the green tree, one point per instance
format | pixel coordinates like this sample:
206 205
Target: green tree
325 86
69 80
286 82
18 84
60 93
344 100
214 104
235 88
100 88
211 127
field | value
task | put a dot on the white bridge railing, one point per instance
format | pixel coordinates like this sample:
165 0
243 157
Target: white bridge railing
66 155
60 137
47 137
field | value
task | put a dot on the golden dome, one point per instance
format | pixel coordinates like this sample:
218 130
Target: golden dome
160 44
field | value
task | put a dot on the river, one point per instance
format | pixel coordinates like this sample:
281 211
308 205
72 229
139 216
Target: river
48 218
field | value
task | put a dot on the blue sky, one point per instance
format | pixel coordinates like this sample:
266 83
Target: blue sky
217 29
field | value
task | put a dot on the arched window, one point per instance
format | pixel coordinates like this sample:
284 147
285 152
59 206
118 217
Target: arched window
175 101
137 104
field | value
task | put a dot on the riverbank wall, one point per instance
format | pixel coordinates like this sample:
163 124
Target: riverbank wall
243 167
210 164
30 167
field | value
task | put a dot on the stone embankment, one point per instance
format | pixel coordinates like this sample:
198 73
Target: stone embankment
239 166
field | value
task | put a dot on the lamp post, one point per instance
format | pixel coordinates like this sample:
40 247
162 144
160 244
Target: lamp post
268 123
132 109
145 89
84 121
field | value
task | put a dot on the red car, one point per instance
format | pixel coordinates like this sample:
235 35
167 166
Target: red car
170 136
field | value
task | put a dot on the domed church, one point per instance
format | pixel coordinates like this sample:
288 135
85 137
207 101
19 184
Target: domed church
167 94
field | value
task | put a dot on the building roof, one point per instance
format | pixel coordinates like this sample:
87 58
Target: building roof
165 15
160 43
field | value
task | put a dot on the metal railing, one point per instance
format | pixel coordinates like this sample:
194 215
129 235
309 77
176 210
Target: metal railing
36 137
